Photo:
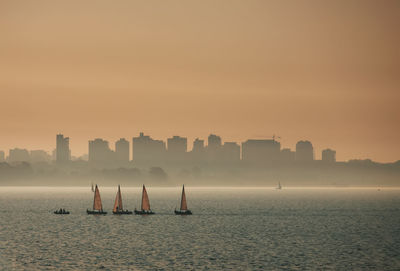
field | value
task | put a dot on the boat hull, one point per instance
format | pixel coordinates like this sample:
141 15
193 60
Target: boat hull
62 213
143 212
123 213
95 212
187 212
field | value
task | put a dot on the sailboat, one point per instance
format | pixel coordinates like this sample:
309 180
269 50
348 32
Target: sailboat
97 206
145 208
118 209
279 186
183 210
92 188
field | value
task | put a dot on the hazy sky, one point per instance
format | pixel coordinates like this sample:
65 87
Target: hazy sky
326 71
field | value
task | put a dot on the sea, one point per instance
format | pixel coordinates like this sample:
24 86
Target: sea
255 228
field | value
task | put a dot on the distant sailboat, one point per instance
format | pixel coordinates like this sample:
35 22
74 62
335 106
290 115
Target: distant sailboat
118 208
97 206
92 187
145 207
184 209
279 186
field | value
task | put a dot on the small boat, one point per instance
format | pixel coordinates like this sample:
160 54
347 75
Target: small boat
61 212
183 210
145 208
118 209
97 206
92 188
279 186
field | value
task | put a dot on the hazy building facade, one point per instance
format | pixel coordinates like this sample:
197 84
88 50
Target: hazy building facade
147 150
230 152
329 156
177 148
63 153
99 151
18 155
39 156
2 157
122 151
287 155
304 151
261 150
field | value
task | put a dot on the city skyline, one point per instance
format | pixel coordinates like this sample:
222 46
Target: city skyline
326 72
173 148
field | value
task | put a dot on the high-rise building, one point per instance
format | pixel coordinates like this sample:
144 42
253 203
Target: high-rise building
198 145
214 142
177 148
329 156
198 151
63 153
18 155
287 155
230 152
122 150
2 156
304 151
261 150
147 150
99 151
40 156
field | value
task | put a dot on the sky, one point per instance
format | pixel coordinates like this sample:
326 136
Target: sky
324 71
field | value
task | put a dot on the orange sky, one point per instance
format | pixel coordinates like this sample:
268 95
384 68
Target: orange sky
326 72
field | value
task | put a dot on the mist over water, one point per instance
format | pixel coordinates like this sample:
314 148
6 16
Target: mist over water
231 228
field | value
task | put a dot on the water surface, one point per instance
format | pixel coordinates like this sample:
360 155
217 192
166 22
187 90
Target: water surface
232 228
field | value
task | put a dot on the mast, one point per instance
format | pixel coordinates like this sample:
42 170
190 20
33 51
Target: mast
97 200
145 200
118 201
183 200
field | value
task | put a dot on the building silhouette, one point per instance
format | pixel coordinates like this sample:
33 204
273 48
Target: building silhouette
230 152
214 148
329 156
2 157
122 151
177 148
304 151
18 155
287 155
39 156
198 151
261 150
99 151
63 153
147 150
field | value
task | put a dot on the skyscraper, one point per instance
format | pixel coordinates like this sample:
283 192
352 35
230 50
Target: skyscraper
122 151
230 152
99 151
147 150
2 156
304 151
18 155
63 153
329 156
177 148
260 150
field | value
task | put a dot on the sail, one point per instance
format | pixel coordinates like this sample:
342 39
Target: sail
97 200
118 201
145 200
183 200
